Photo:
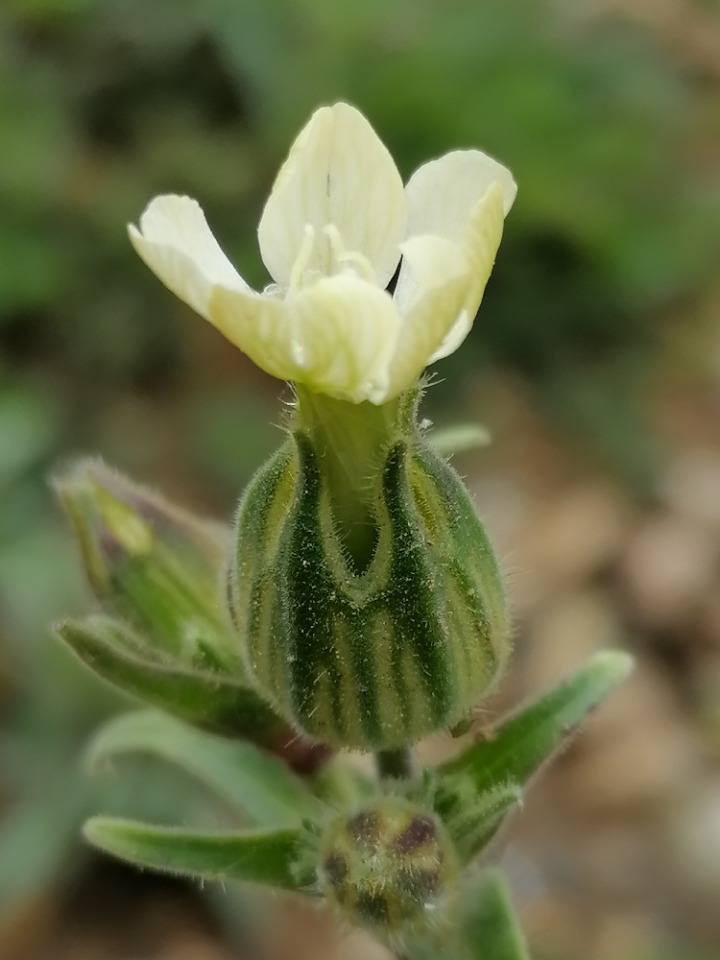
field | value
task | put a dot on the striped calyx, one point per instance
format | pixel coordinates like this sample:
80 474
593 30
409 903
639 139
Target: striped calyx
369 641
388 867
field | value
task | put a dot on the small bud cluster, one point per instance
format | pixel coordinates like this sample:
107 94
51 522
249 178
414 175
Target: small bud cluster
388 866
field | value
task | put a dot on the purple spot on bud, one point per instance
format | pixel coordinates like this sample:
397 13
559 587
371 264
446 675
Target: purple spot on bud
336 869
364 828
420 831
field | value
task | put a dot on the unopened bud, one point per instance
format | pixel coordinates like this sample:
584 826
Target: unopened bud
164 636
389 867
150 563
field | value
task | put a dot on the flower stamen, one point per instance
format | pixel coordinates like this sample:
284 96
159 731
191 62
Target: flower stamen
303 258
342 256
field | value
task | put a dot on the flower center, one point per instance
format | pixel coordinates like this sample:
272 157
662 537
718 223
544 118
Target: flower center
324 254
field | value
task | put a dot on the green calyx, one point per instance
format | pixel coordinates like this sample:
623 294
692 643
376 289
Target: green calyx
365 590
352 441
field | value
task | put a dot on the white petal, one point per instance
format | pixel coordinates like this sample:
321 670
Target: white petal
482 239
177 244
260 326
337 172
435 280
443 192
336 337
455 336
441 284
427 262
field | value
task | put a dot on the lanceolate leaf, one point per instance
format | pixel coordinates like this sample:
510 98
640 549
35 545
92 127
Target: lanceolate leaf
471 818
523 741
259 785
264 857
460 438
208 700
483 927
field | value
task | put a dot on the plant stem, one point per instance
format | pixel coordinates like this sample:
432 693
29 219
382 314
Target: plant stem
395 764
491 929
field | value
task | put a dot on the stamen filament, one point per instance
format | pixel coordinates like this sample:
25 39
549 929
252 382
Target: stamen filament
343 256
303 258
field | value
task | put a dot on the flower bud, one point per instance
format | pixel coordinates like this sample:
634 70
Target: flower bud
157 571
149 563
389 867
378 656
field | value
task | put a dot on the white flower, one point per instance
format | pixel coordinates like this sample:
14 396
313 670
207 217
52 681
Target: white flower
334 229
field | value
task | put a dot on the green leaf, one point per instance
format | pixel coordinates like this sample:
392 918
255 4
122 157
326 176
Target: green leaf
260 785
527 738
473 819
489 928
484 926
460 438
211 701
264 857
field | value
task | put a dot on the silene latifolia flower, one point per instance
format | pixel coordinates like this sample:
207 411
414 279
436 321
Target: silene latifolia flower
334 229
367 597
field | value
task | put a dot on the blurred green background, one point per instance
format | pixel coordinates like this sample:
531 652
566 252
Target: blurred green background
595 361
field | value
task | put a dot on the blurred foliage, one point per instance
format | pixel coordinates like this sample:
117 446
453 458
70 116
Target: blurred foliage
104 103
119 100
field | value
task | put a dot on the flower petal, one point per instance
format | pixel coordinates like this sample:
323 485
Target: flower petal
177 244
336 337
433 287
337 172
482 240
427 262
443 192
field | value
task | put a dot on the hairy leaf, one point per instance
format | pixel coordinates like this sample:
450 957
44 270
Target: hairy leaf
258 784
459 438
527 738
489 928
208 700
269 858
